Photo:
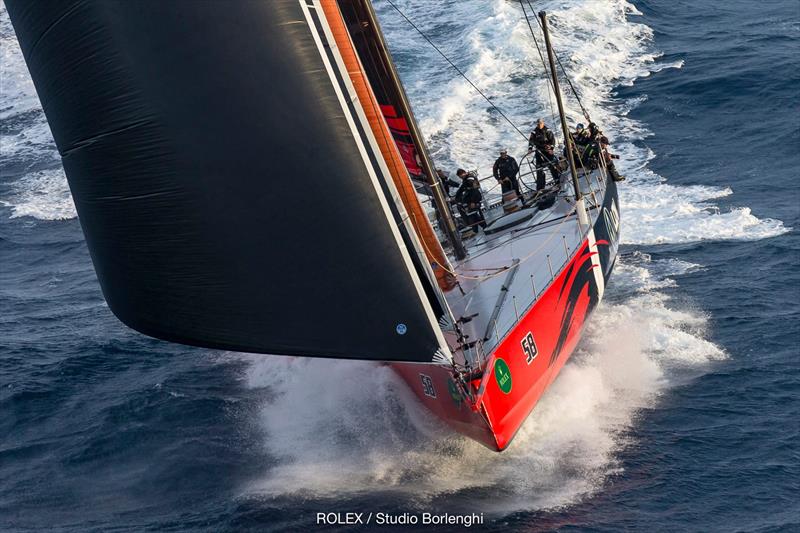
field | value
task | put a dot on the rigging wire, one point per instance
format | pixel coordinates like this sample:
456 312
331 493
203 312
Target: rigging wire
561 65
501 270
460 72
544 63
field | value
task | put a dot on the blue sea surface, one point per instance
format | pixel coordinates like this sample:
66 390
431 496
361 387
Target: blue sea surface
679 412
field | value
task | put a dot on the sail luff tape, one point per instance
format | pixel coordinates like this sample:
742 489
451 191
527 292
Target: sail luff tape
433 248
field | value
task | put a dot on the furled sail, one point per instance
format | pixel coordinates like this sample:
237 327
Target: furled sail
434 253
356 14
229 190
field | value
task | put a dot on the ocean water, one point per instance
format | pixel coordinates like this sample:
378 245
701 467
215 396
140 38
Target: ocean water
679 411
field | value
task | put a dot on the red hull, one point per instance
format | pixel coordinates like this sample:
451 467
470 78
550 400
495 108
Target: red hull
532 353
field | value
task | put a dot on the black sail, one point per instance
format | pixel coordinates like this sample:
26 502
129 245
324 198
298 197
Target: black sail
225 194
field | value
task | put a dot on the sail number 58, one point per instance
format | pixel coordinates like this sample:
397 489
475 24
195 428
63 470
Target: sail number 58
529 348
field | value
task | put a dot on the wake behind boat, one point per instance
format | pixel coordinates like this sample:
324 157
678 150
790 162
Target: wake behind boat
190 168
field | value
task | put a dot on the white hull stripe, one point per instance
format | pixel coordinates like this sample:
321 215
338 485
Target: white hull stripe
596 266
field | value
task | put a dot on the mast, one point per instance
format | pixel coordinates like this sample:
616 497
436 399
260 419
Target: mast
439 198
556 89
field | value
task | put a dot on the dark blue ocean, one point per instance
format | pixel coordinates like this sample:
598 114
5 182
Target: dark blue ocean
679 412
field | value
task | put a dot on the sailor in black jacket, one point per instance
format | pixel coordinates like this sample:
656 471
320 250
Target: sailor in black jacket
505 171
468 199
602 143
543 141
446 181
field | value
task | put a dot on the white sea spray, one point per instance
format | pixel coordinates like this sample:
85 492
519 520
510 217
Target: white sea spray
338 428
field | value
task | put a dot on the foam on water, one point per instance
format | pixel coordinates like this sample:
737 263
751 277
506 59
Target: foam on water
637 273
343 428
43 195
602 47
24 136
348 427
656 212
26 142
17 93
340 428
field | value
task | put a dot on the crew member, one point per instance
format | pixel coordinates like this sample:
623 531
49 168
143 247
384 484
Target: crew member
583 149
505 171
543 141
444 179
468 199
603 143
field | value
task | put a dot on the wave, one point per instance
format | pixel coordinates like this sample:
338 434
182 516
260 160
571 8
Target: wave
335 428
338 428
26 141
599 42
43 195
655 212
24 135
602 48
343 428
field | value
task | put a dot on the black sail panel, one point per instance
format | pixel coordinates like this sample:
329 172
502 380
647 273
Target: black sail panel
225 197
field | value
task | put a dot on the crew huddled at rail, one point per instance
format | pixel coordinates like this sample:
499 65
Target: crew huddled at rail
469 199
590 147
590 151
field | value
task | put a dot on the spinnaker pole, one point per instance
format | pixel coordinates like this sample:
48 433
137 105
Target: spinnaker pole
440 200
556 89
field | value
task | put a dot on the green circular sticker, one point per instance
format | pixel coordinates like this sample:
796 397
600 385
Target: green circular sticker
503 375
455 394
